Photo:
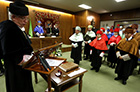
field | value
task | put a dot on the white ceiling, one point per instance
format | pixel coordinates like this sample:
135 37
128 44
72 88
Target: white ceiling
98 6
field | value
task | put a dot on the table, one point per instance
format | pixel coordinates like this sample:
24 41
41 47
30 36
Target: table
65 82
38 43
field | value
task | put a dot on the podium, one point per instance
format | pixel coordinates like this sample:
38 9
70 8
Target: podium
61 83
35 63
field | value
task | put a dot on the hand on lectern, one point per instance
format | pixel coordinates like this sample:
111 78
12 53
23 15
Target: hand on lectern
25 59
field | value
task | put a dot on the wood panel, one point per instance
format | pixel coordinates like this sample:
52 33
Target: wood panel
81 19
66 49
66 28
128 14
3 10
67 21
38 43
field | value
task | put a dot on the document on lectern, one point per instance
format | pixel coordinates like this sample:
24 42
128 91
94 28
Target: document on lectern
54 62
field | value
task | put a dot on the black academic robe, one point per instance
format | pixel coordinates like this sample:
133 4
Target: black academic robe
49 30
96 59
98 46
124 68
87 46
112 54
76 52
55 31
14 45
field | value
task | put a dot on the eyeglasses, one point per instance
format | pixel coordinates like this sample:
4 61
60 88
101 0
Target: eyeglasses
23 17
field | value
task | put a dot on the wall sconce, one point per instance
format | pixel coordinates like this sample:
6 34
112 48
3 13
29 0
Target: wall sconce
91 20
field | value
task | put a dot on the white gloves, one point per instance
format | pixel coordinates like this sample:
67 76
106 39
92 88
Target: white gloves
101 54
118 54
37 34
89 41
111 44
75 45
90 51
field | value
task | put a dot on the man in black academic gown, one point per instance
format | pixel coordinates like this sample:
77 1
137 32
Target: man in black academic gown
127 52
89 36
55 30
76 39
14 44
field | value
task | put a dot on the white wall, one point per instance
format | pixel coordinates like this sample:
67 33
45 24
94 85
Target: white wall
104 24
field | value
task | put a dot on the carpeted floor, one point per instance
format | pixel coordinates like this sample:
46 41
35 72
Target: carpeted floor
103 81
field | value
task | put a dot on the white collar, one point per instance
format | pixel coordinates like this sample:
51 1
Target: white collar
76 37
38 25
130 38
77 34
89 30
135 33
22 29
99 38
115 35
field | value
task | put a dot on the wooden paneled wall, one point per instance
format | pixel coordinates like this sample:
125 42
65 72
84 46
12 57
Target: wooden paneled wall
67 21
3 10
64 19
128 14
81 19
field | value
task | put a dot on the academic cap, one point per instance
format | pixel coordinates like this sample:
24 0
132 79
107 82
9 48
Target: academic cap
39 21
18 8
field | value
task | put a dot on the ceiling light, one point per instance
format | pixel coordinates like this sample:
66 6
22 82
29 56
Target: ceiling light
7 1
57 11
119 0
84 6
125 22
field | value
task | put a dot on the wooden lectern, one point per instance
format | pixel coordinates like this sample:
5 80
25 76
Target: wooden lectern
65 81
35 64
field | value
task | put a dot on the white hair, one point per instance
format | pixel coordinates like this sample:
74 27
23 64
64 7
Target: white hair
77 28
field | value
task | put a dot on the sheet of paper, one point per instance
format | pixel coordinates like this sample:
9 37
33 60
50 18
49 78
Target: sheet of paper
76 72
54 62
